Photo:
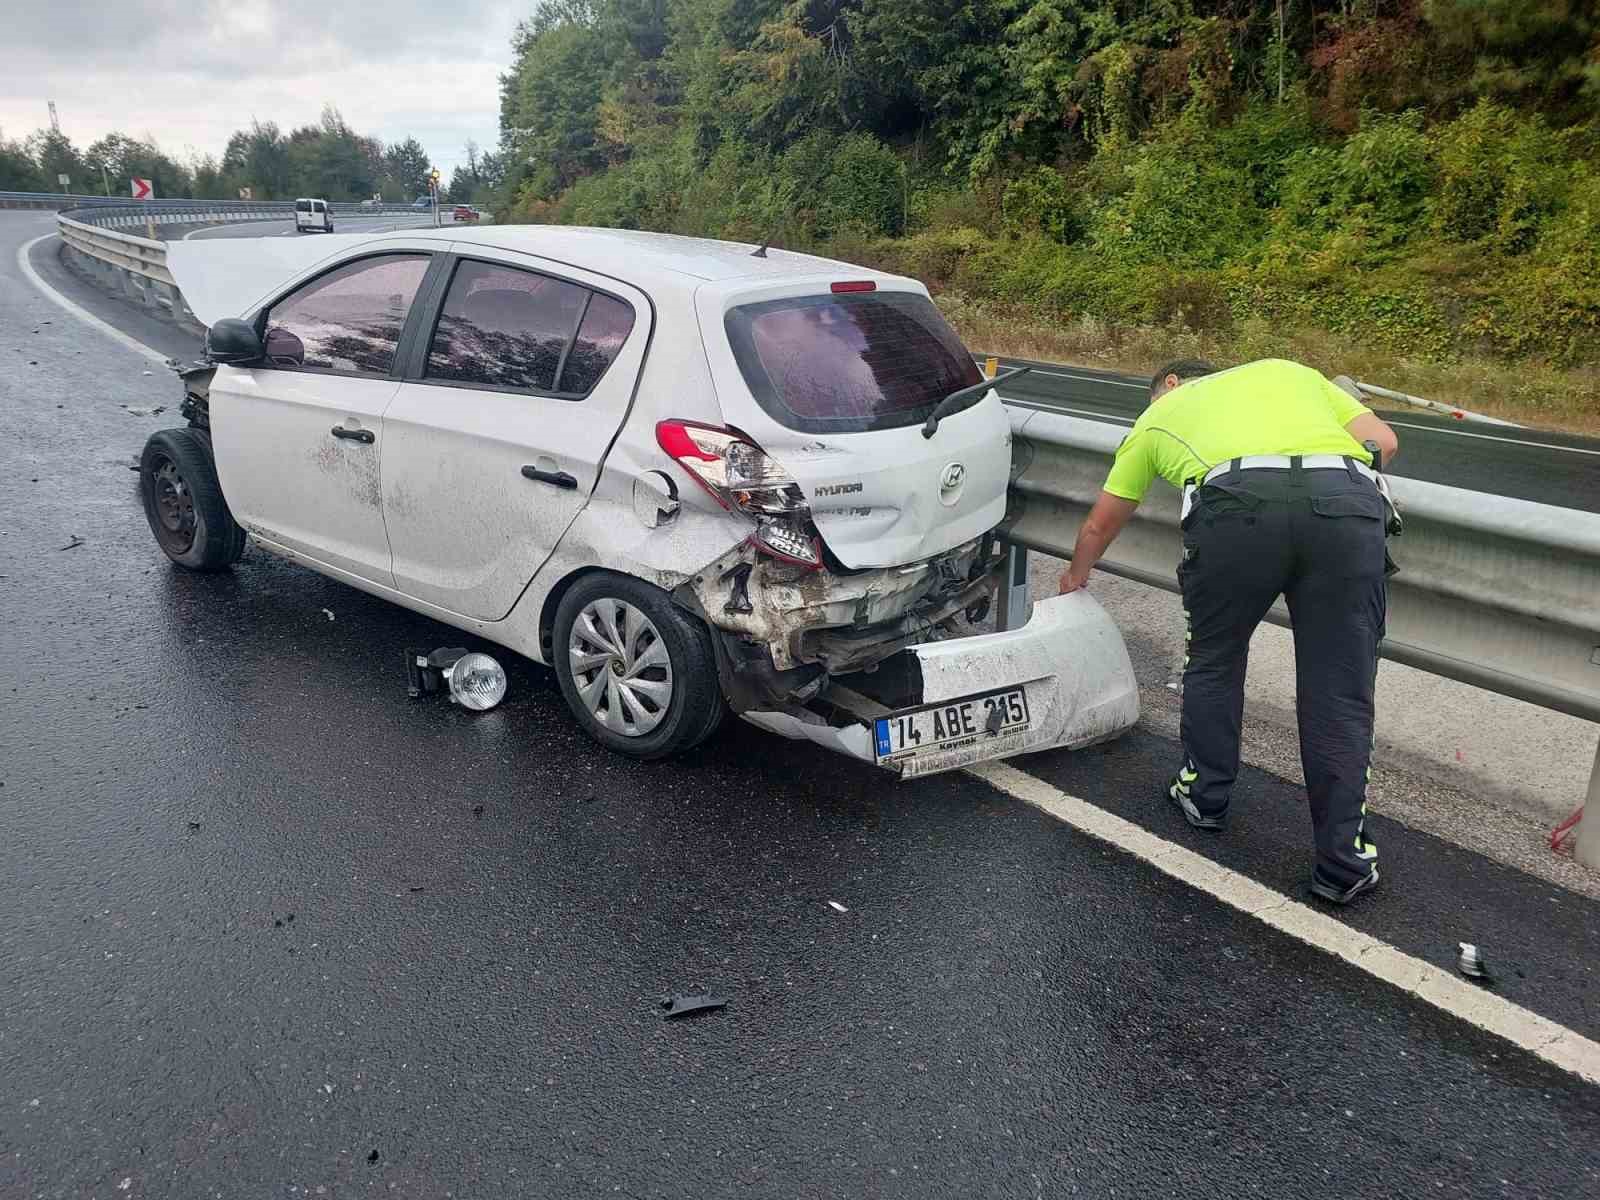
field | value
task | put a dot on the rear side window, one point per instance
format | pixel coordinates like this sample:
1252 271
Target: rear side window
349 319
514 330
848 363
605 327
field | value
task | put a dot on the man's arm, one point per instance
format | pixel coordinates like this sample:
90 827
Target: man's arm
1105 520
1369 428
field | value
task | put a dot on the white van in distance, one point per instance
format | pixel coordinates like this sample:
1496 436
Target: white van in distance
312 214
692 479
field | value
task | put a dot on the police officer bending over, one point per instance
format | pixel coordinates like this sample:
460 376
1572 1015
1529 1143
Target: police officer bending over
1280 498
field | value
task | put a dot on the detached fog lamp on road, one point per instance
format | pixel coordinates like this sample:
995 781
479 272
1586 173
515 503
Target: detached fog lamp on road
473 680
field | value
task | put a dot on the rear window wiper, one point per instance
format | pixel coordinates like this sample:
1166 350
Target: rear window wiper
953 401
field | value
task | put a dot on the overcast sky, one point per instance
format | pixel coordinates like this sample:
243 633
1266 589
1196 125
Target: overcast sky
190 72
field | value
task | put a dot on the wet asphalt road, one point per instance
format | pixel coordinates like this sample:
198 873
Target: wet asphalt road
271 928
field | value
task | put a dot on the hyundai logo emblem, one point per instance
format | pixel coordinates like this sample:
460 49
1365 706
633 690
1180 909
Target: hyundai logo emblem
950 483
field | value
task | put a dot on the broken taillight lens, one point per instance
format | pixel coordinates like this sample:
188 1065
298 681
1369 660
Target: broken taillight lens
744 478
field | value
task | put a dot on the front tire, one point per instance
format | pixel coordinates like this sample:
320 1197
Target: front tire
638 672
183 502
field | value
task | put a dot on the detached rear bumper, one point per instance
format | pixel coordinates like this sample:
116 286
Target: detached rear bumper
1070 657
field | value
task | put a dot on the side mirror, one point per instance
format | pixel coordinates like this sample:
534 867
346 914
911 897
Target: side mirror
283 348
233 341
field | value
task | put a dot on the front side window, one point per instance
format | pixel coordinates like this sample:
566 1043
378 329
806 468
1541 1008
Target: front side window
505 328
349 319
849 362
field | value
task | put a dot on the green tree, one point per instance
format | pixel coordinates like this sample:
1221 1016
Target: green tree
18 170
406 167
55 155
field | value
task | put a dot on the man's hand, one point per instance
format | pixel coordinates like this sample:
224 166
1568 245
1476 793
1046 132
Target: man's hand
1100 528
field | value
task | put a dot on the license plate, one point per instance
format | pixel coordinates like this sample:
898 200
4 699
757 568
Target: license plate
951 724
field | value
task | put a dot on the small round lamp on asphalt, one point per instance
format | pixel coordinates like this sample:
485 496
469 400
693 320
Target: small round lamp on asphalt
477 682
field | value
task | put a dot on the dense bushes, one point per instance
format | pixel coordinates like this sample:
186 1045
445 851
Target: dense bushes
1423 182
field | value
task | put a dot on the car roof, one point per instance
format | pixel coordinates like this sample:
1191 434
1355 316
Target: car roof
639 256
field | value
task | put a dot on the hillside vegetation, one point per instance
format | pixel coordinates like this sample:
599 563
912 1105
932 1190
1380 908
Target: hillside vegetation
1405 189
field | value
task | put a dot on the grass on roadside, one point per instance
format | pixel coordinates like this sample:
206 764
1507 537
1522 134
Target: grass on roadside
1530 394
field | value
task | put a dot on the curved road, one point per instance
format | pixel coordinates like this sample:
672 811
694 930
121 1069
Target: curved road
271 929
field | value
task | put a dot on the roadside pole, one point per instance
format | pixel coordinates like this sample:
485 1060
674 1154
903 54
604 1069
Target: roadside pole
1587 848
1013 599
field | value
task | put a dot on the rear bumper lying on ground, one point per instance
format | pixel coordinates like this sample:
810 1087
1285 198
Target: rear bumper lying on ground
1069 660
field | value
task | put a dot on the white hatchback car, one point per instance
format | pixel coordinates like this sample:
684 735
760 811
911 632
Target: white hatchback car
690 477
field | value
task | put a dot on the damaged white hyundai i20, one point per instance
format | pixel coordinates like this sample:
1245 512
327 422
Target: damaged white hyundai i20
690 476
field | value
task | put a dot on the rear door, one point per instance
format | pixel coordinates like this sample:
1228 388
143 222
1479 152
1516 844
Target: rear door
835 379
520 381
298 438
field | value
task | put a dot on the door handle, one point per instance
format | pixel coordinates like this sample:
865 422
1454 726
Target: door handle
364 436
560 478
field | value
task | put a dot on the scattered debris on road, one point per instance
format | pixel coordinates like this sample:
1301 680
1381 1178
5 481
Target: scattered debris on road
136 411
1470 963
683 1006
373 1157
329 611
74 543
836 906
193 825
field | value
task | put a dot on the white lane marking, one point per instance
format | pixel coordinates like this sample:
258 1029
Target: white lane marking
1540 1036
1489 437
83 314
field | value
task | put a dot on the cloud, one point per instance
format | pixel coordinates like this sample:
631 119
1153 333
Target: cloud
189 74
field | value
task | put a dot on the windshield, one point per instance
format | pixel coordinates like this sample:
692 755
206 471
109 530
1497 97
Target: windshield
848 363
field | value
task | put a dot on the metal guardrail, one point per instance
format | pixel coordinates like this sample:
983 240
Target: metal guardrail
138 265
1500 593
62 202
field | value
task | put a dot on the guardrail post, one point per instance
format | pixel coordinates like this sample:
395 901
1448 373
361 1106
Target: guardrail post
1587 848
1014 591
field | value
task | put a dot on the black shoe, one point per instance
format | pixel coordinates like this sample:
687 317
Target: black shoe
1334 894
1214 822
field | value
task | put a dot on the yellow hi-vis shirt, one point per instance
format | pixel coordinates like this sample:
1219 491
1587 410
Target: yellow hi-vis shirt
1266 407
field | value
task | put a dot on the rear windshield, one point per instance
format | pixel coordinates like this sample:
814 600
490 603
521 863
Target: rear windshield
302 205
848 363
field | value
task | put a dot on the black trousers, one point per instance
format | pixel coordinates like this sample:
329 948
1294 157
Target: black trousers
1316 538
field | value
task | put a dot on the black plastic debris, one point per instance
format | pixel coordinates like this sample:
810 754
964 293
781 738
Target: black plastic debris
73 543
418 888
683 1006
193 825
373 1157
477 811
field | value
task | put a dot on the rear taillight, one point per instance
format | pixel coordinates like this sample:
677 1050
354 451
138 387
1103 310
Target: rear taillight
743 478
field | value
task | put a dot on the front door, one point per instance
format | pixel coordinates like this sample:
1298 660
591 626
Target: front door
492 452
298 438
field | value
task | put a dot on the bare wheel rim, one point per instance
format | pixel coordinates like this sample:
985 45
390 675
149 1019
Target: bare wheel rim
174 505
620 667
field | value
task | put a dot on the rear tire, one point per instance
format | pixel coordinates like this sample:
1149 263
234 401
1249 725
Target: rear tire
183 502
638 673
